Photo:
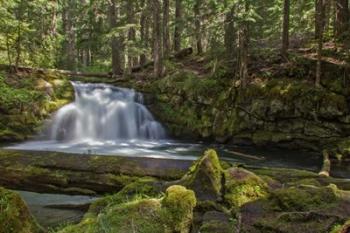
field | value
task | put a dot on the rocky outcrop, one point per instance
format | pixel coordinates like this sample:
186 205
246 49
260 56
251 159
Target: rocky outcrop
27 98
205 177
304 208
280 112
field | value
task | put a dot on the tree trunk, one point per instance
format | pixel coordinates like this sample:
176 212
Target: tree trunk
342 18
8 48
157 35
178 25
69 45
116 61
197 23
144 31
53 26
285 33
18 45
243 50
320 6
230 39
131 33
166 33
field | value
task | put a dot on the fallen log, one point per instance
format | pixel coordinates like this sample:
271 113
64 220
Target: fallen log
245 155
54 172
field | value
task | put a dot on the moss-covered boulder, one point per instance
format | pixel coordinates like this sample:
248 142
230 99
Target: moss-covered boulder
303 208
204 177
14 214
243 186
172 213
178 205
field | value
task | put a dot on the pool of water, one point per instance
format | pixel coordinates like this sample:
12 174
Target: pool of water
51 210
170 149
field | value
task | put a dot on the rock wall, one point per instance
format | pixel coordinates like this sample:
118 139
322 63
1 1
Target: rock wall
27 98
283 112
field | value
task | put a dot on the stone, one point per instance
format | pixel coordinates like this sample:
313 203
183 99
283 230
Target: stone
204 177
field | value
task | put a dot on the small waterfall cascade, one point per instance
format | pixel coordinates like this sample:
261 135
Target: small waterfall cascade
103 112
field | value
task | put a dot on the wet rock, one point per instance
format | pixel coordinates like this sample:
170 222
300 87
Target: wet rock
243 186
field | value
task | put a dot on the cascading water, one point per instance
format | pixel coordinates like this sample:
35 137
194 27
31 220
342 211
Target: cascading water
104 119
101 112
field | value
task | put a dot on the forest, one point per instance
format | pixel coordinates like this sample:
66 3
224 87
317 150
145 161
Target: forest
116 36
174 116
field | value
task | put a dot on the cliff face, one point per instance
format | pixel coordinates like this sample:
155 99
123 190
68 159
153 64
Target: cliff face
284 112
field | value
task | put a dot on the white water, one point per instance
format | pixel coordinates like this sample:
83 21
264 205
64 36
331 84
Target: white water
101 112
108 120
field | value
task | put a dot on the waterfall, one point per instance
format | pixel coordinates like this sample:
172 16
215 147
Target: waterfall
102 112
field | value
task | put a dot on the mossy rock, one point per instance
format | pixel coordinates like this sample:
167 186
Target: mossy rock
204 177
172 213
140 188
303 208
27 99
141 216
15 215
243 186
178 205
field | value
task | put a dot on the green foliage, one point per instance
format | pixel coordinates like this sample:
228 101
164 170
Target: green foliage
12 98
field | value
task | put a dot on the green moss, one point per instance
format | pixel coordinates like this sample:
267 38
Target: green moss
339 228
14 214
27 99
304 198
173 213
242 186
139 216
178 205
277 110
204 177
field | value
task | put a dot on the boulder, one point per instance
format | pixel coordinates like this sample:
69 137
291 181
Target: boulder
243 186
204 177
304 208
